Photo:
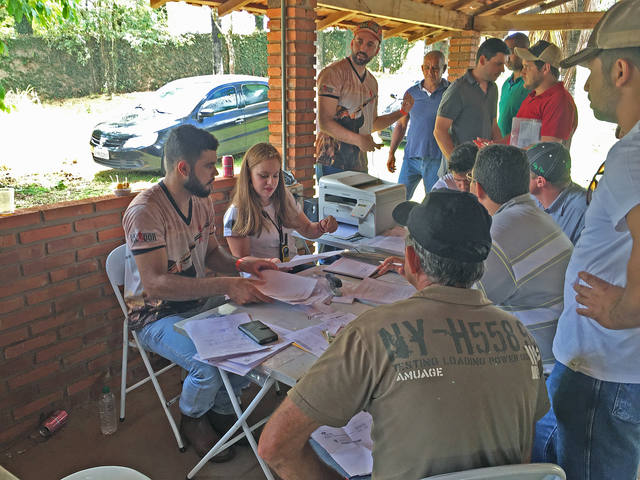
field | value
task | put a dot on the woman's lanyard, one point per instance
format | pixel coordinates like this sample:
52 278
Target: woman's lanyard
282 239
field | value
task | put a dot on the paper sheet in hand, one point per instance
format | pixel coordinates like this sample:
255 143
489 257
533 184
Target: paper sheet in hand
302 259
351 445
285 286
351 268
379 292
219 337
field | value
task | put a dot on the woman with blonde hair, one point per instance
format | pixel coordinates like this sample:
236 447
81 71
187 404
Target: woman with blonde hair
263 212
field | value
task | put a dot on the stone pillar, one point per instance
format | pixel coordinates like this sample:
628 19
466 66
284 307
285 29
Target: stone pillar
462 52
300 80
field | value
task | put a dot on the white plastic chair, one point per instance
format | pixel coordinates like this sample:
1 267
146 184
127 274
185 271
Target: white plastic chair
115 267
528 471
107 473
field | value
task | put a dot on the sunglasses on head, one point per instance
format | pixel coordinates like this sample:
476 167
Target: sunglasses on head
594 183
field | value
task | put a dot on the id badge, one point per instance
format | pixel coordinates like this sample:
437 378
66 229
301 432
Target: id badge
284 253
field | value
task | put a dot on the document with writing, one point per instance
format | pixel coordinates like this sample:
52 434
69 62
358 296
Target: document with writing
219 337
351 445
351 268
286 287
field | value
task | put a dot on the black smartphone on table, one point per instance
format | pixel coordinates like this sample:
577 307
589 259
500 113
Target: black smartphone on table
258 332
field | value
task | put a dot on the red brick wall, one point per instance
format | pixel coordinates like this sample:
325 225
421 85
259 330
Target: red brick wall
300 92
60 325
462 53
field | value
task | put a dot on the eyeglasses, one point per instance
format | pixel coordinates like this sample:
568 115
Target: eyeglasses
470 178
594 183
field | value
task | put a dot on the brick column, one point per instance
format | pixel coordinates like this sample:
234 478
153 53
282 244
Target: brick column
462 52
300 93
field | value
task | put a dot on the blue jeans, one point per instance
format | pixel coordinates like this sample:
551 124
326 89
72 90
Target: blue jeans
593 431
202 389
326 458
415 169
322 170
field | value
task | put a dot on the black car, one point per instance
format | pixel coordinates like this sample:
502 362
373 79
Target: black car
232 107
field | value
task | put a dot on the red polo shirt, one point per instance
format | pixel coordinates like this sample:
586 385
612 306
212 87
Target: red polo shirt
556 110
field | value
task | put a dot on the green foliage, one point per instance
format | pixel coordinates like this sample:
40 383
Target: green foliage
42 12
335 44
250 53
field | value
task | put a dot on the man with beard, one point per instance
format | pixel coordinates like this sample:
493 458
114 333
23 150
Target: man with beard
348 107
170 234
422 156
549 102
468 109
513 90
595 386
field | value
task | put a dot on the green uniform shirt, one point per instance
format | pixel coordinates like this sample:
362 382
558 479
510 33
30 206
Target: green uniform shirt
511 96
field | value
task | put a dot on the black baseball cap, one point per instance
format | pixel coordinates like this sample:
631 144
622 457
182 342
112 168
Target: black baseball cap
550 160
448 223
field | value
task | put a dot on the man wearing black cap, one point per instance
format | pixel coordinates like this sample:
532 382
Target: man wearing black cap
444 365
551 184
524 273
595 385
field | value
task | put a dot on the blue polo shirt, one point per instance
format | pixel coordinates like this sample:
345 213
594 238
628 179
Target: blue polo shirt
420 140
568 210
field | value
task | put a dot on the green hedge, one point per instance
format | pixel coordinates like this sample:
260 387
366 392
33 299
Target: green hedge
62 69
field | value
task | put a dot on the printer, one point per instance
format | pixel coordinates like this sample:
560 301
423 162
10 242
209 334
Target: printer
360 199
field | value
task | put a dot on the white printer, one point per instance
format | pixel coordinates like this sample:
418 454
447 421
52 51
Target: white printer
360 199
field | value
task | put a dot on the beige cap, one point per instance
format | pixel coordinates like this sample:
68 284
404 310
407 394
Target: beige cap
619 27
544 51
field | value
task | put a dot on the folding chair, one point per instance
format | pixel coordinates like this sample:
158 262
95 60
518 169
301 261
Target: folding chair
527 471
115 267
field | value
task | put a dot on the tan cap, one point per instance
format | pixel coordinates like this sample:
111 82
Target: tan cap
370 26
544 51
619 27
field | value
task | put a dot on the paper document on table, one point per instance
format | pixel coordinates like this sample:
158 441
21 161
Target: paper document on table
345 231
380 292
243 364
351 445
219 337
351 268
302 259
393 244
286 287
315 338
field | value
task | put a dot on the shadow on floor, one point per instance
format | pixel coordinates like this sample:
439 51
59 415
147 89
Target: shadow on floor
143 442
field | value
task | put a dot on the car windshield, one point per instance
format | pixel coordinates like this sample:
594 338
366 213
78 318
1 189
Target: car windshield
179 98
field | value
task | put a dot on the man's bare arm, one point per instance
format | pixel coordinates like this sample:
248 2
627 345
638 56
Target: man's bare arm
442 136
158 283
612 306
284 445
383 121
396 137
496 134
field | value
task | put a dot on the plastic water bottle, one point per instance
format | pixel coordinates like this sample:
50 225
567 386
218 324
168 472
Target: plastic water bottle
107 407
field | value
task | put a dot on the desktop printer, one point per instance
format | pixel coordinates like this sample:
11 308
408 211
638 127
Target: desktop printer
360 199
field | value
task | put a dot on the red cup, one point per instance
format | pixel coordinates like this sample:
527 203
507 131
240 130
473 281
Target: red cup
227 166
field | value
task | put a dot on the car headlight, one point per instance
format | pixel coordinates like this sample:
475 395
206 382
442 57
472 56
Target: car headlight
140 141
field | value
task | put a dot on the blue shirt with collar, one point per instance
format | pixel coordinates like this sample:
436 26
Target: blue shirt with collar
420 140
568 210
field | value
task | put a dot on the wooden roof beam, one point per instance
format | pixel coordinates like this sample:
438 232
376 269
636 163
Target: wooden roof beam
547 21
333 18
394 32
502 8
421 34
437 38
231 5
405 11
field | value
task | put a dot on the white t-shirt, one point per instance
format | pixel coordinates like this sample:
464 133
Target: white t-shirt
603 249
267 245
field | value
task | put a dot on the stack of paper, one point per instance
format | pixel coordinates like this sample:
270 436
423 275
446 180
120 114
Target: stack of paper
302 259
351 268
219 342
286 287
313 339
351 445
376 292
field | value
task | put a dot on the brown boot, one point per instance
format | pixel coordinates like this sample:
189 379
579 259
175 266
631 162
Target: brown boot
198 432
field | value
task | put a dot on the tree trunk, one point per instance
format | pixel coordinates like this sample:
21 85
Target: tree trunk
217 46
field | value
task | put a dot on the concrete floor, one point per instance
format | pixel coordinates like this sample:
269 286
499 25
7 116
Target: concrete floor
143 442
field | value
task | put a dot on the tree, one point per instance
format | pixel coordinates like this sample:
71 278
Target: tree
41 12
217 41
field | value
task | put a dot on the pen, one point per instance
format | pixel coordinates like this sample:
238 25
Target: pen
297 345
